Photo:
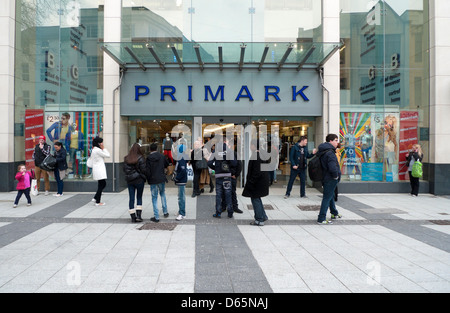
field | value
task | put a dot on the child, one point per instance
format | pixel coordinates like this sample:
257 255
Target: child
24 184
180 180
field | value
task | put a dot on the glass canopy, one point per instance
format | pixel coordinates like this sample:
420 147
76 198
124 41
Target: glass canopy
147 55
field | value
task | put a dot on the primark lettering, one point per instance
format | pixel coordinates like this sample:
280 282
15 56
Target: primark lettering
169 92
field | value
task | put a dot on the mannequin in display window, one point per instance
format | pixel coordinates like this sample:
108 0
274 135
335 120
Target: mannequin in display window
74 144
167 147
366 144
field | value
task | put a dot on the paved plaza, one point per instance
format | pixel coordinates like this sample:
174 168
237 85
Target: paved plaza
385 243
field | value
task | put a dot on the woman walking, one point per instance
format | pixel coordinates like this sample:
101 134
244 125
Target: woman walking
60 168
413 156
98 155
134 168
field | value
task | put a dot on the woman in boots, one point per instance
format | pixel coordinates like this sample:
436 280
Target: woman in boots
134 168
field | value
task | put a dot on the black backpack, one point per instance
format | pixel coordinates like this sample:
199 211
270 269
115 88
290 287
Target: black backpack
315 169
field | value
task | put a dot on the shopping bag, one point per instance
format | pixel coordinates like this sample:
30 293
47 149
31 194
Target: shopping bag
190 172
34 190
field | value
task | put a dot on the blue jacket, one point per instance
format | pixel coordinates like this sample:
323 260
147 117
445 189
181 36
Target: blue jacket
330 164
57 127
60 156
295 156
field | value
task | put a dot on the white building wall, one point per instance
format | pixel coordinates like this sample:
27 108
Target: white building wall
7 40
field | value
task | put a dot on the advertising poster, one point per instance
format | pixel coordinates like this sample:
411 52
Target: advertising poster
34 127
76 131
353 127
409 123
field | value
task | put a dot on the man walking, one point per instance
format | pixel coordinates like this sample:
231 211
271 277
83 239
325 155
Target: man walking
331 177
298 157
156 164
41 151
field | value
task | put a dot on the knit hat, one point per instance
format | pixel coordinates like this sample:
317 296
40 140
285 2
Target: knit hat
42 137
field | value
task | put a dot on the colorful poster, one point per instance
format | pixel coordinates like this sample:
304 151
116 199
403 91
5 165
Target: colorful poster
34 127
354 127
76 131
409 124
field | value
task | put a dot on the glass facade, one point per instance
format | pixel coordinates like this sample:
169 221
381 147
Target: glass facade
384 87
58 78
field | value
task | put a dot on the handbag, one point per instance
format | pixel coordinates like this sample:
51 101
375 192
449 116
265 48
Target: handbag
201 164
89 162
49 163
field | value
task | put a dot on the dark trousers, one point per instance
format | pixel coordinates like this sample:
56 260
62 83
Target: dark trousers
100 186
414 181
258 209
195 182
223 190
59 182
302 175
234 201
328 200
20 193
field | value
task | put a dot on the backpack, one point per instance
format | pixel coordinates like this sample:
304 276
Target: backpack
315 169
417 170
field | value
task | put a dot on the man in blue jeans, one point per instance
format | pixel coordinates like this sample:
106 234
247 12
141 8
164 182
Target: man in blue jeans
331 177
156 164
298 157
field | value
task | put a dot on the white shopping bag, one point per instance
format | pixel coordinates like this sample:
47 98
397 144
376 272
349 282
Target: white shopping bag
190 172
34 190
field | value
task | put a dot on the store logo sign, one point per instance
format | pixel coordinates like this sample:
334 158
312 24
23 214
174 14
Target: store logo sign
270 92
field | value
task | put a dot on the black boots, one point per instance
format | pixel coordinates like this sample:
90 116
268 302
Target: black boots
135 214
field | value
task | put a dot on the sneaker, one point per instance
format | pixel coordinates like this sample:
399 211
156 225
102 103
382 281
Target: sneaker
257 223
28 204
333 217
180 217
100 204
154 220
166 215
216 215
325 222
286 196
93 200
304 197
15 206
47 193
57 195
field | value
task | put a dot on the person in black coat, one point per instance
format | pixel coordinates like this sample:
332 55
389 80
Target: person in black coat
134 167
60 168
414 155
331 177
257 184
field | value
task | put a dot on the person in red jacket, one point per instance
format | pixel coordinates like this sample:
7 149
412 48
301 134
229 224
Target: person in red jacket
24 184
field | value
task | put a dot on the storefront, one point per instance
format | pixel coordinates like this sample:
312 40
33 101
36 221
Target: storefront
134 71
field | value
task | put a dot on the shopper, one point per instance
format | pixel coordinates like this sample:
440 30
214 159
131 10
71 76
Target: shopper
235 173
298 157
414 155
156 164
221 161
134 168
198 163
181 180
331 177
257 185
41 151
24 184
60 168
98 155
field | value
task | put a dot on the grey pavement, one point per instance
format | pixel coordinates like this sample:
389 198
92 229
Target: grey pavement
385 243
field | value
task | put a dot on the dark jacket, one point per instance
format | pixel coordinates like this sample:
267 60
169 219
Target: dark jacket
299 159
414 155
61 162
257 184
216 162
330 164
40 154
181 172
135 173
156 163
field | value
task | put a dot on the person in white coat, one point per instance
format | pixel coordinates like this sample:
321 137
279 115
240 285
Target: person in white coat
98 155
